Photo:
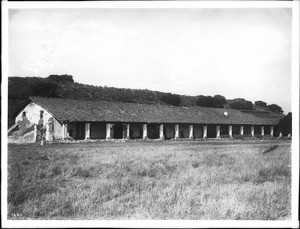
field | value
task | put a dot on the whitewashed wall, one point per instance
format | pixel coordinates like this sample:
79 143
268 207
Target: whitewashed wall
33 115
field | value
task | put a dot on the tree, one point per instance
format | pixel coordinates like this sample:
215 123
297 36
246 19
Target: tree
260 103
241 104
205 101
285 124
44 88
219 101
171 99
275 108
61 78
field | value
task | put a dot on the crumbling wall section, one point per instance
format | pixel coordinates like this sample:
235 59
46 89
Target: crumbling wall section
35 116
32 113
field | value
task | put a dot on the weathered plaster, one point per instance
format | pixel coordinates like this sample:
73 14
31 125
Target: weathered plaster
33 113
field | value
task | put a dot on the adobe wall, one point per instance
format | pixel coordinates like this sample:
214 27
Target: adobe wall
33 113
33 116
57 129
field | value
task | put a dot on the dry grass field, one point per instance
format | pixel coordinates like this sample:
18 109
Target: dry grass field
150 180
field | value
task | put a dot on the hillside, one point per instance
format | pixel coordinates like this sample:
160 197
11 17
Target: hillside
63 86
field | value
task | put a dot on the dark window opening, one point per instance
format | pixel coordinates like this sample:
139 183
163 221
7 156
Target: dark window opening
41 114
181 134
211 131
118 131
153 131
141 132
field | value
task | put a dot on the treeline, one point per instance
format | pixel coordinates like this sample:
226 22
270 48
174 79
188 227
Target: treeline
63 86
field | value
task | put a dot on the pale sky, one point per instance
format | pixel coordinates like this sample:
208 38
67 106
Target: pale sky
238 53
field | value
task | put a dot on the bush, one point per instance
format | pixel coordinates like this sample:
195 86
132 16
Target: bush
61 78
241 104
285 124
275 108
171 99
217 101
260 103
44 88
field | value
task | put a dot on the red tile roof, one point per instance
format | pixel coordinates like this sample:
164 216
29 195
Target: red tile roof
67 110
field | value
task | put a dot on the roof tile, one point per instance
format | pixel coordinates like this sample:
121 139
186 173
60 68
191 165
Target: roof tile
67 110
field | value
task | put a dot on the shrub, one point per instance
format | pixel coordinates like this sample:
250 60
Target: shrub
275 108
205 101
61 78
217 101
285 124
171 99
260 103
44 88
241 104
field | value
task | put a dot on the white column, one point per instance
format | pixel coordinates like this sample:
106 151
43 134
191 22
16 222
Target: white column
191 130
64 131
161 132
218 128
230 131
128 131
272 131
47 132
34 133
252 131
145 131
108 131
87 130
241 130
177 131
205 131
124 132
262 130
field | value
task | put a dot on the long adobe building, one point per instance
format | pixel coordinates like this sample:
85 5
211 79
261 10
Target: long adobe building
78 119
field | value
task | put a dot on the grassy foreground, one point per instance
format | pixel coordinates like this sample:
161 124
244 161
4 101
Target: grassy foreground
150 180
